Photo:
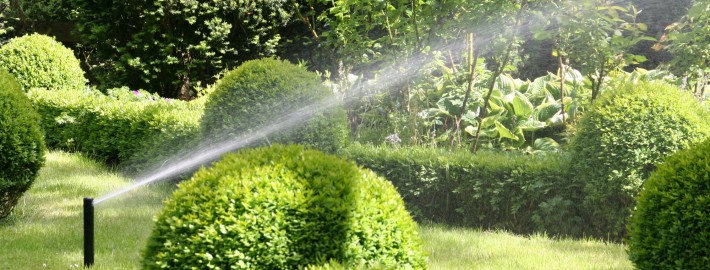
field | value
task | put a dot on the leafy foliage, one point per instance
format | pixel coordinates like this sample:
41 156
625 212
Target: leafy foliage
127 126
688 42
283 207
668 229
172 46
260 93
595 36
494 190
621 139
40 61
21 143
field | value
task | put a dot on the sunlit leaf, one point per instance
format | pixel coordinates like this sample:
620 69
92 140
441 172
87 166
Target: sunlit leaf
505 132
521 105
546 144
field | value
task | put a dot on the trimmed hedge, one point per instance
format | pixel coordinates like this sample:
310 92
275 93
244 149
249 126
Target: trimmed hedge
284 207
497 190
669 228
21 143
260 92
130 127
619 141
40 61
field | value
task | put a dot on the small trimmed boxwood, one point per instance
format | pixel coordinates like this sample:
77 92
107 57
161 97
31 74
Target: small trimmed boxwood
670 227
21 143
621 139
260 92
283 207
40 61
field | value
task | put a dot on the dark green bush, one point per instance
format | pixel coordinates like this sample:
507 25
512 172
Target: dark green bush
130 127
621 139
259 92
283 208
21 144
500 190
40 61
669 228
172 46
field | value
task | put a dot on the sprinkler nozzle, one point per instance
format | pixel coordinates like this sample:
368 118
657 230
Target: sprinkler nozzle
88 232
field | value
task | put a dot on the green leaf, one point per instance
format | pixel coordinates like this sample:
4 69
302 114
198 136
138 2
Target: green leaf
521 105
505 132
546 144
531 125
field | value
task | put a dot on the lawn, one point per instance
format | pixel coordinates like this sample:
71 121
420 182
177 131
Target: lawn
45 230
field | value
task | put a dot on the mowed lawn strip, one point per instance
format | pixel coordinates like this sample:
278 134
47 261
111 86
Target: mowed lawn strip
45 230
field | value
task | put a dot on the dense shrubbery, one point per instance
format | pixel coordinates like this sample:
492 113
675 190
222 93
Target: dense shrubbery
263 92
669 228
172 46
621 139
520 193
21 144
283 208
126 126
40 61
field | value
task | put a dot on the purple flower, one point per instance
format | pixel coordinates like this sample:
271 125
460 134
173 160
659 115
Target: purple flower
135 92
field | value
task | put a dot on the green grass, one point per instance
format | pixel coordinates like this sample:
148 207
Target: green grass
459 248
45 230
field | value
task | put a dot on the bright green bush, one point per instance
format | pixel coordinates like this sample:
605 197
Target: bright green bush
621 139
283 208
669 228
495 190
259 92
40 61
21 144
130 127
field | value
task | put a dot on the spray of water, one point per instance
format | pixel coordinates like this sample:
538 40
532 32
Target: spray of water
206 153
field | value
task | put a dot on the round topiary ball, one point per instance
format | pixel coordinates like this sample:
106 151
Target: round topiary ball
283 208
21 143
620 140
669 228
40 61
276 102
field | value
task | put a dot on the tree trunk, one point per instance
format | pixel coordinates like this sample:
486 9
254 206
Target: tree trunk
562 85
184 90
497 73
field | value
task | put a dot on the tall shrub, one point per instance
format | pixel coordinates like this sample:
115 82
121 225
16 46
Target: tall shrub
620 141
268 95
283 207
21 143
40 61
669 228
172 46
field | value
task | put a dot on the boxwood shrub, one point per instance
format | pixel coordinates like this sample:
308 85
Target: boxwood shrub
620 140
21 143
669 228
129 127
283 207
260 92
495 190
40 61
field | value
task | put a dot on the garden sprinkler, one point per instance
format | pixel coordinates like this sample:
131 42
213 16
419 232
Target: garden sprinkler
88 232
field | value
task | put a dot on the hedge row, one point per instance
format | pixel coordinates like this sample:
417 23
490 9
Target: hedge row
129 127
515 192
